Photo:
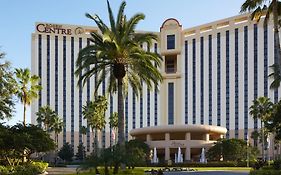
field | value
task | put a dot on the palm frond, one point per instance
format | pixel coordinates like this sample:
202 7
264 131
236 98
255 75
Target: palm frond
111 18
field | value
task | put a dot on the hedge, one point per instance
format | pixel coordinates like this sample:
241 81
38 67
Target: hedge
265 172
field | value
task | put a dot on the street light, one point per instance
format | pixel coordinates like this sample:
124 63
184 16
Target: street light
247 150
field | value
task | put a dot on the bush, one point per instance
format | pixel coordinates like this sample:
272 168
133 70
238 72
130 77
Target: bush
265 172
277 164
41 166
4 170
33 168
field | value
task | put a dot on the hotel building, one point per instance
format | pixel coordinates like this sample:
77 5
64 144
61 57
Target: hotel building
212 73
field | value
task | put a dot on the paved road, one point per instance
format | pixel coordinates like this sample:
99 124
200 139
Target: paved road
208 173
61 170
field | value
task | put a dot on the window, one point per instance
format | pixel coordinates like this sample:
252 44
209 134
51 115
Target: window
170 103
170 42
186 81
40 68
171 64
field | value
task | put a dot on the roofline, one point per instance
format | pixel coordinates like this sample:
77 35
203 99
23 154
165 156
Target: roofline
178 128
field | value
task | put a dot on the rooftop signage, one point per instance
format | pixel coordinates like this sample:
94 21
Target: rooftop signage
58 29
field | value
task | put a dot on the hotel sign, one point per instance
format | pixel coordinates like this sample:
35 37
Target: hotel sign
58 29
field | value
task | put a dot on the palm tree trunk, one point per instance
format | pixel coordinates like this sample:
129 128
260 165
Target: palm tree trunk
96 142
24 114
262 135
121 133
57 139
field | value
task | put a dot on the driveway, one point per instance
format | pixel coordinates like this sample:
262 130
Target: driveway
61 170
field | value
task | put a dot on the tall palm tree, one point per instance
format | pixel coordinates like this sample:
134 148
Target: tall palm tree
46 116
269 8
57 127
262 109
113 123
255 135
83 131
116 54
94 112
28 88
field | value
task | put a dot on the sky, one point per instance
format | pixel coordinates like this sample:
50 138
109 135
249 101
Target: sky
18 17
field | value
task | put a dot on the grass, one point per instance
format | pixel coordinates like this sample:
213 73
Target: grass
222 168
136 171
140 170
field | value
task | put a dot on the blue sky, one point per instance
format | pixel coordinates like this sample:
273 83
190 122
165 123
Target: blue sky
17 19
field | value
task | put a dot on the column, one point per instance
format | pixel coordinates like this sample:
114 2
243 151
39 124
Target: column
167 136
167 153
187 136
187 153
207 137
148 137
167 148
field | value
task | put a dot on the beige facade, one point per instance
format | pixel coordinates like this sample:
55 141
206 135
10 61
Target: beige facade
190 138
212 73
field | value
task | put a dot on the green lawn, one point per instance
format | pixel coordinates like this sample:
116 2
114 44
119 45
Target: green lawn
140 170
222 168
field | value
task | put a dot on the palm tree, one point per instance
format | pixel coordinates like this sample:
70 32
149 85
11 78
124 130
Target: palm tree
57 127
94 112
28 88
46 116
83 131
117 55
268 7
255 136
261 109
113 122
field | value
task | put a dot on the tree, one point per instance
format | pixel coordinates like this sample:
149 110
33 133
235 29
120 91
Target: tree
83 130
137 153
81 153
255 135
268 8
21 141
7 89
262 109
27 89
274 122
57 127
113 123
46 116
51 121
231 150
94 112
116 54
66 152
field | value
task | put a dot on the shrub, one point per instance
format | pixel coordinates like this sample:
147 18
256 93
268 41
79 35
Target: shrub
31 168
41 166
4 170
265 172
277 164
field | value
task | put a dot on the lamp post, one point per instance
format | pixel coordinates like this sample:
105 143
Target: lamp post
247 150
